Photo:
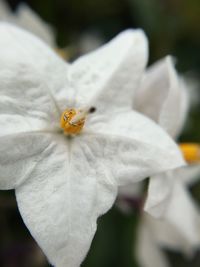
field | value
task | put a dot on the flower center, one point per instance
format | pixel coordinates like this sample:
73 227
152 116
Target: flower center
191 152
72 121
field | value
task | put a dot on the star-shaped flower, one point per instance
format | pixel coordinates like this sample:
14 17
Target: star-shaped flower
64 161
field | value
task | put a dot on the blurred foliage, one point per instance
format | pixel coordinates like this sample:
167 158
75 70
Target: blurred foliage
172 27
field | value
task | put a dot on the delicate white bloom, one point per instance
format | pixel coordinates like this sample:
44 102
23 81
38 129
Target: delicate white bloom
27 19
179 230
162 96
64 183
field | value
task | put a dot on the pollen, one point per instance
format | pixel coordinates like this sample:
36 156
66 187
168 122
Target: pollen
191 152
68 125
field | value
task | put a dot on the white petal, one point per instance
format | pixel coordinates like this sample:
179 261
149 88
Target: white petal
148 252
109 76
19 156
179 227
133 145
25 102
159 192
26 18
62 200
29 20
176 207
190 174
129 196
25 54
4 11
132 190
184 215
162 96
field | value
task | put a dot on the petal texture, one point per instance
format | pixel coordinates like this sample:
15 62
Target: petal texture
109 76
19 156
21 51
25 103
140 147
62 200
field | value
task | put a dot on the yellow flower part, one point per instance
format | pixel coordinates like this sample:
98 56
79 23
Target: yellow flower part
191 152
67 123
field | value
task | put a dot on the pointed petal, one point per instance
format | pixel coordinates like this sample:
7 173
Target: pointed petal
19 156
176 207
148 252
109 76
5 12
133 145
29 20
23 54
62 200
190 174
184 216
163 97
159 190
179 227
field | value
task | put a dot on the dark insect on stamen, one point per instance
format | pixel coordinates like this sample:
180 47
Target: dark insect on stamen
92 110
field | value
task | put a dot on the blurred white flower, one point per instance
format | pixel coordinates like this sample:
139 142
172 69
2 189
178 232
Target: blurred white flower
163 97
179 230
65 182
27 19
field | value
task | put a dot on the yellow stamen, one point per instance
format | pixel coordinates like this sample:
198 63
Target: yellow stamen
68 125
191 152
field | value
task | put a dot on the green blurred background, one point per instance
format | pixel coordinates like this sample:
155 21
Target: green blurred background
173 27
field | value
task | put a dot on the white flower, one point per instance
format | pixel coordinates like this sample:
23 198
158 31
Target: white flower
177 231
64 183
27 19
162 96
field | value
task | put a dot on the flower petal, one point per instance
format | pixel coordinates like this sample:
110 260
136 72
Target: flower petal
109 76
23 55
159 192
25 103
4 11
168 198
29 20
179 227
19 156
62 200
184 216
162 96
132 147
148 252
190 174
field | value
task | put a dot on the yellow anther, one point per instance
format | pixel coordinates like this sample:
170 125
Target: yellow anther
191 152
68 125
